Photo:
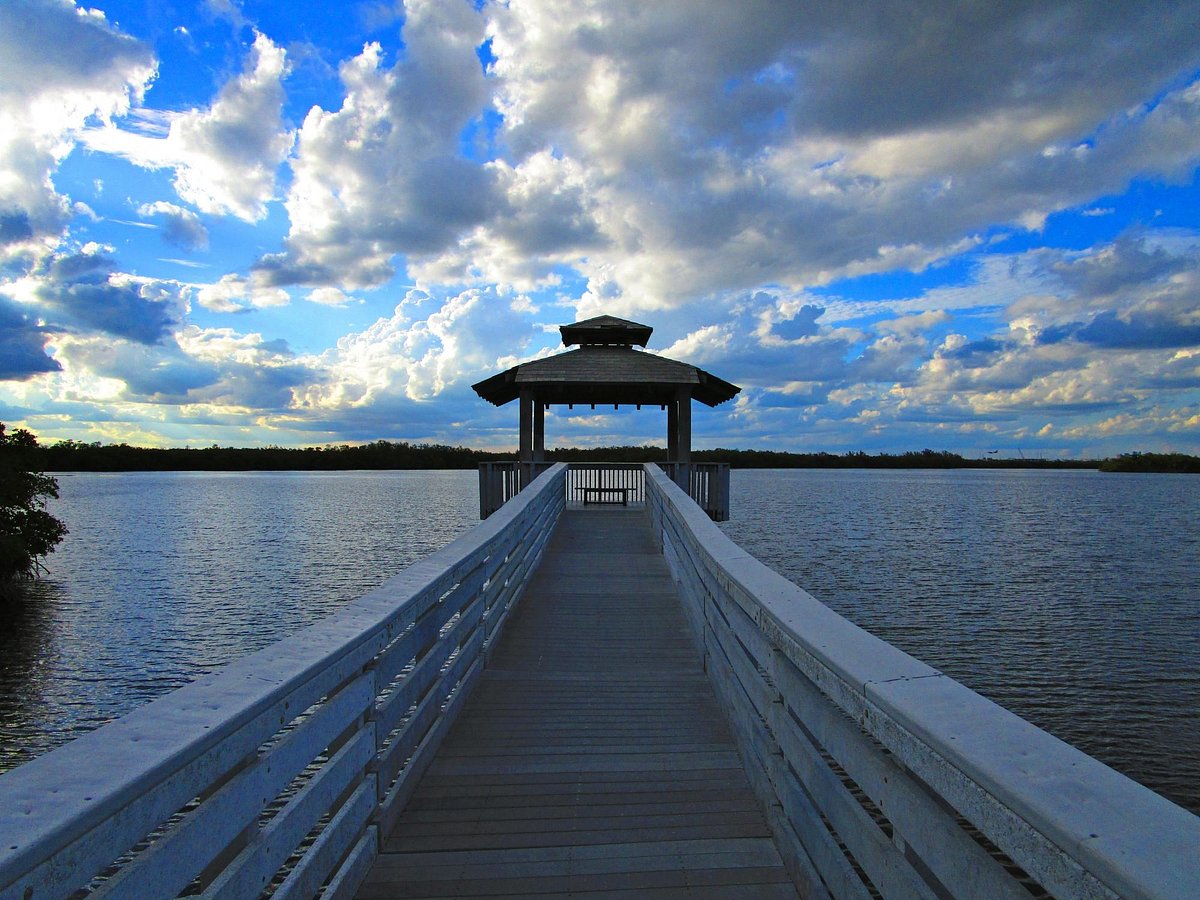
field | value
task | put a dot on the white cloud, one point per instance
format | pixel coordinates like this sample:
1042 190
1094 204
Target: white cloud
225 157
233 293
183 227
46 97
329 296
754 151
383 174
408 357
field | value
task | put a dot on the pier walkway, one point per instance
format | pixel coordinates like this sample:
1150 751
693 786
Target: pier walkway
593 756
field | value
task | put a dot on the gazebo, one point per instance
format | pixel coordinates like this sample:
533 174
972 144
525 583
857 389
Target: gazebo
605 369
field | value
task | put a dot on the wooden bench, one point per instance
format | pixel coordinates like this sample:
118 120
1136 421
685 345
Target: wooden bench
594 495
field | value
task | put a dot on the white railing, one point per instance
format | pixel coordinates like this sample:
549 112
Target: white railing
883 776
282 770
499 482
606 482
706 483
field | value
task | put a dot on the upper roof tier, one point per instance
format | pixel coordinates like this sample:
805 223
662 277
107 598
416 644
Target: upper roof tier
605 330
605 369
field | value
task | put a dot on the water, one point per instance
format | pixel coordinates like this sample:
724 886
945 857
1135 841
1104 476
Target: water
1068 597
166 576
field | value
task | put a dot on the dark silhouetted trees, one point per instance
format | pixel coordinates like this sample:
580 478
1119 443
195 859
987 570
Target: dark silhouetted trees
27 531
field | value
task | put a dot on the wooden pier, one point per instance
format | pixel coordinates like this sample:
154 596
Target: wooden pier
593 756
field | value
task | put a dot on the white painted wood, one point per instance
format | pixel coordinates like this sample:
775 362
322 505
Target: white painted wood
70 814
331 846
181 854
358 863
1080 828
957 860
250 873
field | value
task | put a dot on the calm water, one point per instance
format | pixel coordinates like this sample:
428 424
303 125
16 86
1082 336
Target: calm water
1069 597
166 576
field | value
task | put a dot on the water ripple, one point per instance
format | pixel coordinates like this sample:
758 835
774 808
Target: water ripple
1070 598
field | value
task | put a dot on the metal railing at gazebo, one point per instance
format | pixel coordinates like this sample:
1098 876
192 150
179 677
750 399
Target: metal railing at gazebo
598 483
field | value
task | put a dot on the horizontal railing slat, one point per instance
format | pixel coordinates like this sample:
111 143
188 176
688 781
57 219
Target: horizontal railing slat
1076 826
958 861
177 857
331 845
250 873
392 803
426 685
101 805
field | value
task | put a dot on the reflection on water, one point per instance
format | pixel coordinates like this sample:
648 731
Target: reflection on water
1068 597
28 629
166 576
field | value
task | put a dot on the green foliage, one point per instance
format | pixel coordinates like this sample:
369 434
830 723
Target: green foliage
1152 462
27 531
77 456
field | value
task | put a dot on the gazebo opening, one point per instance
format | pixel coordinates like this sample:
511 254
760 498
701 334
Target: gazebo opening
605 369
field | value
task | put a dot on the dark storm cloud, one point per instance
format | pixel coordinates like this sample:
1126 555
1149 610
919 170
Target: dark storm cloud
14 227
896 65
78 291
1129 263
1135 331
22 345
283 270
803 324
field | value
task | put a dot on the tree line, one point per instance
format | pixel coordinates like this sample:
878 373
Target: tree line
77 456
1152 462
28 532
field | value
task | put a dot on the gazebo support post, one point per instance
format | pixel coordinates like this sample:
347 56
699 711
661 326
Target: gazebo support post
683 423
673 431
679 428
539 431
525 454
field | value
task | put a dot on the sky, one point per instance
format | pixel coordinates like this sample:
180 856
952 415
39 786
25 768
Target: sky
955 225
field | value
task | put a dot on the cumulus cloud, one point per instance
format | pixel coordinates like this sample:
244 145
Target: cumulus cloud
46 98
415 354
329 296
225 157
182 227
384 174
204 372
22 344
719 170
84 292
723 148
236 293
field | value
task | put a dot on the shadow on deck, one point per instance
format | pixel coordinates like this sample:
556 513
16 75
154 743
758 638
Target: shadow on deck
593 756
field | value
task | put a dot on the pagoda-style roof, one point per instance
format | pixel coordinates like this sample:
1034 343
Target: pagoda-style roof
604 330
605 369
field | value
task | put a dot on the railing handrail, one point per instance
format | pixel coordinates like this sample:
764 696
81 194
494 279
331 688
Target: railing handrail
67 815
706 482
1077 826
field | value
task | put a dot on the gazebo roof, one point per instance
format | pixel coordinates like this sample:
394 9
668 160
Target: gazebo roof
606 330
605 369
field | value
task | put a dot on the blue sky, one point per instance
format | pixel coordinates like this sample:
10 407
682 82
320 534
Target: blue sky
965 227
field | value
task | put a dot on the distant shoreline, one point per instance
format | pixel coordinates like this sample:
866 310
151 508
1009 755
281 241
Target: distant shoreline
75 456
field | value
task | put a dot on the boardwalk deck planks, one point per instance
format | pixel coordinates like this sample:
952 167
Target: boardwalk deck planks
593 756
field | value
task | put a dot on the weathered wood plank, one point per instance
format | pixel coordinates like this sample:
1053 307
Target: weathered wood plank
592 756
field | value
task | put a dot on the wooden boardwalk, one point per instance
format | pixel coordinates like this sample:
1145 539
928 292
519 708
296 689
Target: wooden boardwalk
593 758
